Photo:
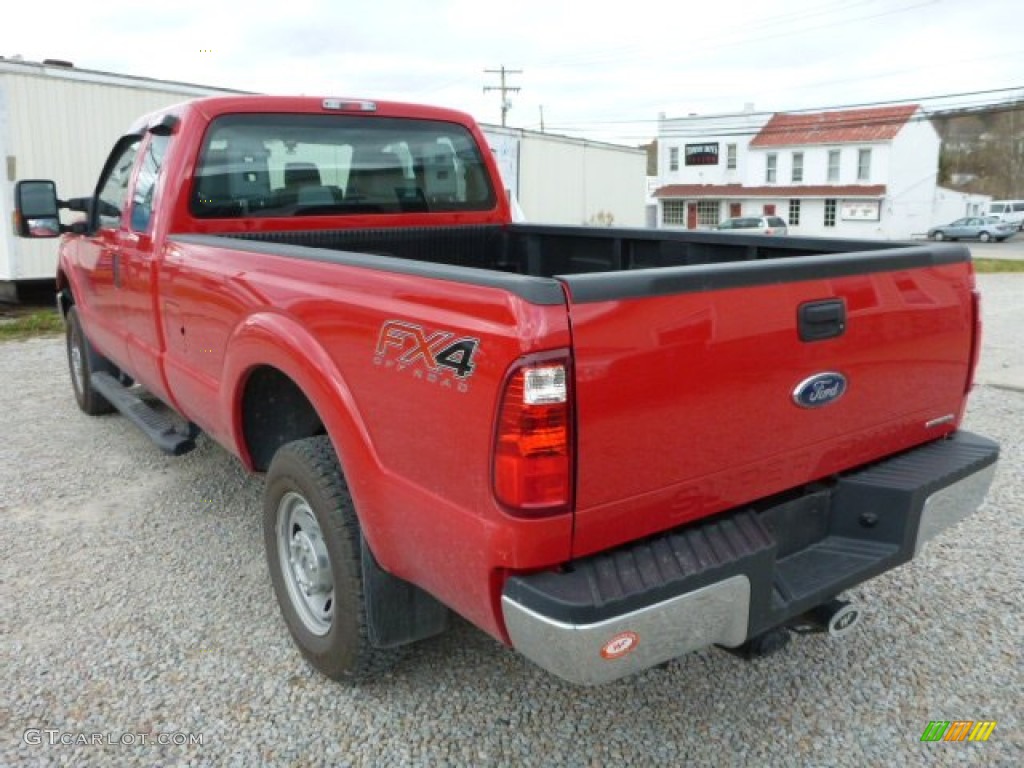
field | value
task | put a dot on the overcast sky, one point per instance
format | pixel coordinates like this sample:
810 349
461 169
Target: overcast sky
593 70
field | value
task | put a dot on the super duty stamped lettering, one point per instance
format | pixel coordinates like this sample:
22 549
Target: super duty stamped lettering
435 356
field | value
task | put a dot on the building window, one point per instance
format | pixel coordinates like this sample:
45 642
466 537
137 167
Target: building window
798 166
833 165
673 212
707 213
771 167
830 213
794 213
730 157
864 165
673 158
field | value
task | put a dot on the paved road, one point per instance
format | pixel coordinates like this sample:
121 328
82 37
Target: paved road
1009 249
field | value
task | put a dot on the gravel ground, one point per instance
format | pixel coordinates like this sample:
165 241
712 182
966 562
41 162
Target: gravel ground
134 599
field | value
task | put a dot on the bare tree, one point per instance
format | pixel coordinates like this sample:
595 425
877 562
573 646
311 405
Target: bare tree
983 150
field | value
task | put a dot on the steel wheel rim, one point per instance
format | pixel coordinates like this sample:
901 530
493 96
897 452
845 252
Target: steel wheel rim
77 360
305 565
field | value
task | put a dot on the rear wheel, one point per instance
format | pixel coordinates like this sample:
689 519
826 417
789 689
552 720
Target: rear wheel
314 552
984 237
83 362
939 235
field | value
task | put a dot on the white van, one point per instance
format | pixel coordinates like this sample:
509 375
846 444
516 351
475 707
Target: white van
1008 210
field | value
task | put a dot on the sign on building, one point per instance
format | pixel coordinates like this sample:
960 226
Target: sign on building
702 154
861 210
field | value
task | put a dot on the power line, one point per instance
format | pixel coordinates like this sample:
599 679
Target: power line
505 89
739 118
734 125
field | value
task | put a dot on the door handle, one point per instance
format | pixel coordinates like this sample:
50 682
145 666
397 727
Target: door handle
820 320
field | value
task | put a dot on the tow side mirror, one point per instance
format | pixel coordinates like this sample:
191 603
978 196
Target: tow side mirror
36 209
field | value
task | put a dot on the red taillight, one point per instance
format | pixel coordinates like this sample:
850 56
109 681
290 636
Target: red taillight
533 440
975 339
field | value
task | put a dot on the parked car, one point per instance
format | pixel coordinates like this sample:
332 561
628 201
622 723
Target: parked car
765 225
984 228
1010 211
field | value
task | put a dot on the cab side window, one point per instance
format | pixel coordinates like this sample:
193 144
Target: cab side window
113 194
145 184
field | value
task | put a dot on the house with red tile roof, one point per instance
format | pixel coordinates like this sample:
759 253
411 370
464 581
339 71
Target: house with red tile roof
868 173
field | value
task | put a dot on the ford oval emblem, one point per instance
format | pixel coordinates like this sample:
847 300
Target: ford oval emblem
819 389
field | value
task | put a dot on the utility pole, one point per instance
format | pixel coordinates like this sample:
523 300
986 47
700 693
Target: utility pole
504 88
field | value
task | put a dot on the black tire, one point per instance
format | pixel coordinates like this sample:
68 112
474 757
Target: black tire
308 512
83 362
984 237
939 236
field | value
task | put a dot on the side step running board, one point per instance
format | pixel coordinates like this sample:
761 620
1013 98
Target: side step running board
159 426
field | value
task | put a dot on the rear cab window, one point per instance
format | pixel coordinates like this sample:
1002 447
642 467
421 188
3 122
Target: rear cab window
293 165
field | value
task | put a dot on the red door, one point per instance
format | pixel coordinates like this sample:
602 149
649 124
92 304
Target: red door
769 210
735 209
138 267
100 253
691 215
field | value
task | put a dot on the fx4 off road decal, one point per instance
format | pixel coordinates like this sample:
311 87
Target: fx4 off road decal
435 356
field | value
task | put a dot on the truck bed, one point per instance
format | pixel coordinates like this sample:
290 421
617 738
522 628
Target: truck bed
547 251
690 349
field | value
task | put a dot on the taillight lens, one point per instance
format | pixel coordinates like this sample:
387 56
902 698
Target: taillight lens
975 339
533 441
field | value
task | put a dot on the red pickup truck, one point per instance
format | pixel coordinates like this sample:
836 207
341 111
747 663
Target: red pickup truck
604 447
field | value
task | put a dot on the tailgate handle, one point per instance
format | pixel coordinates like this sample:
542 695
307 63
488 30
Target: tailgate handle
818 320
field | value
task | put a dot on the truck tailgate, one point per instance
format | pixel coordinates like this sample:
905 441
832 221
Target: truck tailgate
699 389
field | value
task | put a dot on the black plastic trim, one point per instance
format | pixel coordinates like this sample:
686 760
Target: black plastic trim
610 584
158 425
821 320
536 290
715 277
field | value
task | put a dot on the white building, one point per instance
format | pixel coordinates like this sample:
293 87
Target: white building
60 122
862 173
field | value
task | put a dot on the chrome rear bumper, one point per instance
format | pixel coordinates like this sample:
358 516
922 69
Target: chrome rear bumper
588 654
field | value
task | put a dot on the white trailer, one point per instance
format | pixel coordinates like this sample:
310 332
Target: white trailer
571 181
59 122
